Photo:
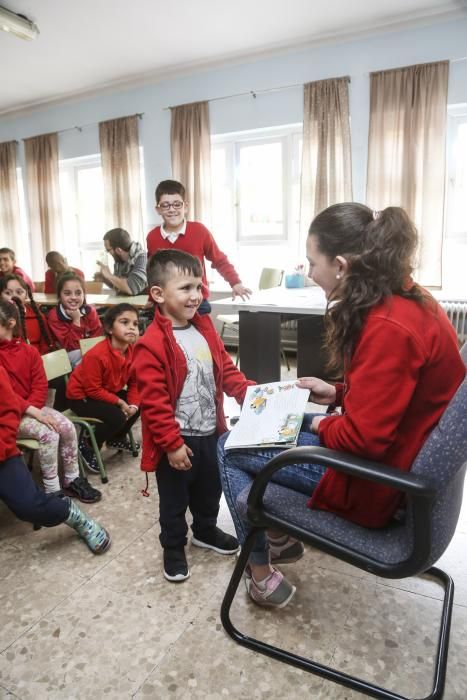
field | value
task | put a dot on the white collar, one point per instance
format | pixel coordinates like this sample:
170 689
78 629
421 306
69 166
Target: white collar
170 234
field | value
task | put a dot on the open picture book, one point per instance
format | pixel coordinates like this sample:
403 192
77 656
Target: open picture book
271 416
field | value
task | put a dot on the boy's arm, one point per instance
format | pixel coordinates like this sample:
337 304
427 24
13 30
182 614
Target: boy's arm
220 261
235 383
155 404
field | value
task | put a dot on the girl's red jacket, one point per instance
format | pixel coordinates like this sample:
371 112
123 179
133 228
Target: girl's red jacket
68 334
25 370
33 330
10 416
102 373
160 368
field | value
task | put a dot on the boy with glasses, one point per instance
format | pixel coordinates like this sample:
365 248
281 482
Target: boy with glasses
176 233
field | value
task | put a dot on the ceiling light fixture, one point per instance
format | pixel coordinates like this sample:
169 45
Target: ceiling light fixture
17 24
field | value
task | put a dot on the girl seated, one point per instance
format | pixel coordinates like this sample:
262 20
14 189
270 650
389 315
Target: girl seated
21 495
34 325
54 432
72 319
96 385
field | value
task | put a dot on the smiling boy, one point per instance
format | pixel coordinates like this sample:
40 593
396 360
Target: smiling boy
176 233
182 371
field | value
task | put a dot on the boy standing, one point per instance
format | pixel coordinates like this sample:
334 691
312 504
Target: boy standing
179 234
182 370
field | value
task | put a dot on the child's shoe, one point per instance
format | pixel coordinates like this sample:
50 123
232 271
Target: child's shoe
87 453
273 592
217 540
95 536
285 549
175 564
81 489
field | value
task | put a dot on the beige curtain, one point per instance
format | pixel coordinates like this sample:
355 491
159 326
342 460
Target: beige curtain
10 224
43 194
326 159
190 142
406 153
119 142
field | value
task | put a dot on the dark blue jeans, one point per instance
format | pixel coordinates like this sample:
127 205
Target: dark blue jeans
238 469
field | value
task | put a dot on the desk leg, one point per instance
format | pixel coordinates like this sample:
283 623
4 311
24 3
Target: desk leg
260 337
311 358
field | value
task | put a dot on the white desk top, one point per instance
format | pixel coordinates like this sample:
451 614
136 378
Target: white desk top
308 300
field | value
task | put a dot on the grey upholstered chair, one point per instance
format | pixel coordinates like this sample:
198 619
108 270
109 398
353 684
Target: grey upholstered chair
407 547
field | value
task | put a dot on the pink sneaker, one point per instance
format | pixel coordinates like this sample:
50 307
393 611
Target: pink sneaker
274 592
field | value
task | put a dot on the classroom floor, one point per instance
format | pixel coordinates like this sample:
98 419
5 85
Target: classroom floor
73 625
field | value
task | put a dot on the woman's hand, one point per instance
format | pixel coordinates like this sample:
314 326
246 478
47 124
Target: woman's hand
180 459
320 392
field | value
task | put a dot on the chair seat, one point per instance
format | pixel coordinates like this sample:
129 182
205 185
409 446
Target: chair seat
390 545
74 416
28 443
231 319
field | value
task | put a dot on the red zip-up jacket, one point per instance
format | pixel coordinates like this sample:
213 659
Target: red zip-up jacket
68 334
198 241
405 369
33 330
25 369
10 416
161 369
103 371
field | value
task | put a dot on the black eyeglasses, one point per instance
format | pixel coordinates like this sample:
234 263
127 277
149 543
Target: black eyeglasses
165 206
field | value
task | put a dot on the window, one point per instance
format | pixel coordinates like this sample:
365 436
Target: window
455 240
256 197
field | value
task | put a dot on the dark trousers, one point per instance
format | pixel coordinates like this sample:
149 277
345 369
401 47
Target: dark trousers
198 489
114 423
21 495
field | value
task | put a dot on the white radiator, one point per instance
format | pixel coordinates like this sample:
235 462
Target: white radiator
457 314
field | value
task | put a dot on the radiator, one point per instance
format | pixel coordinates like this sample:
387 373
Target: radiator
457 314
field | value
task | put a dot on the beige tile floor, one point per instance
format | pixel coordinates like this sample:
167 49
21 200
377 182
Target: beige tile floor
73 625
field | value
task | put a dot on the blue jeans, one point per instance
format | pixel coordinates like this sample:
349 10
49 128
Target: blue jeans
238 469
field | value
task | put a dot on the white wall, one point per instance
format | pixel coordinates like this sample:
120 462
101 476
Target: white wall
355 58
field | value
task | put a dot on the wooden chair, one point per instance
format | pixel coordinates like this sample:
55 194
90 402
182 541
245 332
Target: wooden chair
93 287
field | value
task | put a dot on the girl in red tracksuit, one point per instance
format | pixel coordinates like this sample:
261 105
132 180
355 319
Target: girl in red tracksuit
54 432
72 319
34 325
96 387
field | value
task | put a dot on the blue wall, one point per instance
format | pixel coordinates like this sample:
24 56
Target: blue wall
355 58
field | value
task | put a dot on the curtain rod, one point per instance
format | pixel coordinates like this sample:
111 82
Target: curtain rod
85 126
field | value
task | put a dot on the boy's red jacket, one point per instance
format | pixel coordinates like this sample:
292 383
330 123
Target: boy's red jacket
25 369
102 372
10 416
161 369
198 241
67 333
405 369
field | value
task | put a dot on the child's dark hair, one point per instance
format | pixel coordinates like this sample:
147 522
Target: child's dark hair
162 265
40 319
113 312
70 277
169 187
7 312
8 251
379 247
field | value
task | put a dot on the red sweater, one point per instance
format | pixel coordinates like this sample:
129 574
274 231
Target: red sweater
161 369
50 284
10 417
405 369
25 370
198 241
102 372
68 334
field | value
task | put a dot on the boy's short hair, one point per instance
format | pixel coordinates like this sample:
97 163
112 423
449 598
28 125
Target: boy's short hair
118 238
161 266
169 187
8 251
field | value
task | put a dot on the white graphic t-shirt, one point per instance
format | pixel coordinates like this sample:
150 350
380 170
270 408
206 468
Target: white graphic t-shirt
196 408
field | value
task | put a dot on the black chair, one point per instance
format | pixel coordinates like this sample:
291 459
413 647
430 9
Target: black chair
406 547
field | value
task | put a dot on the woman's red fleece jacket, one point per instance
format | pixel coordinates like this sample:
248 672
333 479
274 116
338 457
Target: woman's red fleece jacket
68 334
102 373
10 416
161 369
405 369
26 372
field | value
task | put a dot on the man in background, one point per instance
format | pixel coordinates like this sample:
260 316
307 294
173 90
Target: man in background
129 275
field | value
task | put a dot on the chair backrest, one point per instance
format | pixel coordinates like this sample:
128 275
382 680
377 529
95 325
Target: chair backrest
88 343
270 277
93 287
56 364
39 286
443 458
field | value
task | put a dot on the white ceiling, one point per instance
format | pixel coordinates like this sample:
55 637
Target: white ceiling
88 45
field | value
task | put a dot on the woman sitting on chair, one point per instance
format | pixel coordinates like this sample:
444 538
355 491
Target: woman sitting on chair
399 357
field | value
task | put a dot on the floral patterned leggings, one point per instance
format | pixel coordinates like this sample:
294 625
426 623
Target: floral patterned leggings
63 445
